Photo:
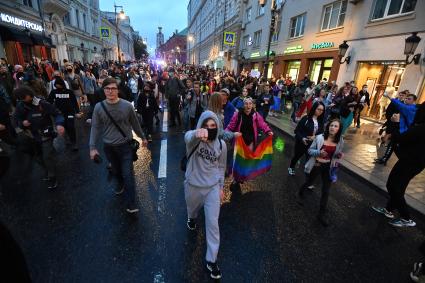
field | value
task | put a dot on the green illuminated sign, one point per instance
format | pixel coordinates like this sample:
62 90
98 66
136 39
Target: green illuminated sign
322 45
293 49
255 55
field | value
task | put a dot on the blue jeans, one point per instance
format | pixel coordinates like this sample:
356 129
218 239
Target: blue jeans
121 158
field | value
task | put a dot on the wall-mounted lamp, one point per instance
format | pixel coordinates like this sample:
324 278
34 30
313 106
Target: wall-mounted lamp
409 48
342 51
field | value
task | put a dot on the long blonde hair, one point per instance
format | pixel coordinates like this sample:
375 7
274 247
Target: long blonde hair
215 103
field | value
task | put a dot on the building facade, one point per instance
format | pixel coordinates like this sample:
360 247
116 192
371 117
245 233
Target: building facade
208 22
61 29
174 49
22 33
308 34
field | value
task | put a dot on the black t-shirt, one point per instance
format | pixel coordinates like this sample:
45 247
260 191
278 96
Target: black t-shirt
247 127
64 100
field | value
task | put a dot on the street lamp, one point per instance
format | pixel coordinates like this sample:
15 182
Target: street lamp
271 31
343 47
409 48
118 16
178 51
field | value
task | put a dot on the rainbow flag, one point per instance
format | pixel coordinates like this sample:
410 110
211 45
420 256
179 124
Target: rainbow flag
248 165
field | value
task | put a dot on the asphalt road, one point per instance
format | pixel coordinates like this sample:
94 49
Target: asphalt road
80 232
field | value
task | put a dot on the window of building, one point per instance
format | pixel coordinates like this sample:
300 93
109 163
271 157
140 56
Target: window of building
248 14
275 36
392 8
261 10
84 22
28 3
334 15
257 38
77 17
297 26
245 41
66 19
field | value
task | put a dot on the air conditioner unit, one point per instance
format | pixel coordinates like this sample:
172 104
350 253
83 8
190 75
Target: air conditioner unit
243 27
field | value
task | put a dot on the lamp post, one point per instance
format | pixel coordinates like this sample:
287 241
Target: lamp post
410 45
117 17
178 52
271 31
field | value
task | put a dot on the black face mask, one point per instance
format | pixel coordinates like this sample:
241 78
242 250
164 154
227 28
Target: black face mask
212 134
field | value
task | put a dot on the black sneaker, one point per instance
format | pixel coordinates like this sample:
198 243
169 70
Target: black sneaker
191 224
52 183
215 271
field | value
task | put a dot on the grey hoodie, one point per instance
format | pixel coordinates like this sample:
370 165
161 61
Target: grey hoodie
207 165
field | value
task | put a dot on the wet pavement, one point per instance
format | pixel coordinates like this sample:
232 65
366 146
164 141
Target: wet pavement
81 233
361 148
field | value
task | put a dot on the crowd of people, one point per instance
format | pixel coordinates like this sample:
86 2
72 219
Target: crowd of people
41 101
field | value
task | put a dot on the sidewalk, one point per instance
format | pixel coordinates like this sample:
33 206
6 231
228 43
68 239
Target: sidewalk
360 149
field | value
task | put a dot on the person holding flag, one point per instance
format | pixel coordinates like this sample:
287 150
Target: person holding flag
246 125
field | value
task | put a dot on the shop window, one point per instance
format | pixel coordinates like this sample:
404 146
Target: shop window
257 38
297 26
320 69
334 15
392 8
293 69
328 63
270 70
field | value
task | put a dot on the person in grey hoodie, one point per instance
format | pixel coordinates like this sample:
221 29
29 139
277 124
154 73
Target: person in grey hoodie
204 182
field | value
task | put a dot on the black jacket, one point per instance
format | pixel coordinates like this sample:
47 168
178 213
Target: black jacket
64 100
305 127
146 104
366 95
39 116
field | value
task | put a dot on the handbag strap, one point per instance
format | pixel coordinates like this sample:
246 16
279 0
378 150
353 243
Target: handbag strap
112 119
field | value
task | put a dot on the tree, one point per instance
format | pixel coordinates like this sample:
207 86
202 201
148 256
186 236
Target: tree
140 48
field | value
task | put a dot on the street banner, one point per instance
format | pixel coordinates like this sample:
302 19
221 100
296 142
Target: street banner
229 38
105 32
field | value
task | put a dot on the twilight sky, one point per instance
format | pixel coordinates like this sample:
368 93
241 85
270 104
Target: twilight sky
147 15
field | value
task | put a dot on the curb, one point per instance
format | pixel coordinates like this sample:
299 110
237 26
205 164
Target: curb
377 185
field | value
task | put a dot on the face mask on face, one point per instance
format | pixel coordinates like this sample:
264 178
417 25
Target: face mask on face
212 134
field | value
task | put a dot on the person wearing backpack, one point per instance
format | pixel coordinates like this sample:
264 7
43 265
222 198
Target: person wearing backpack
204 182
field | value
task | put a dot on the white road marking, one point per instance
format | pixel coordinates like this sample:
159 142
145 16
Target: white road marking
162 171
159 278
165 121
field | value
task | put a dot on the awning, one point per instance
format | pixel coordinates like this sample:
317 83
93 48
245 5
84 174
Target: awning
11 34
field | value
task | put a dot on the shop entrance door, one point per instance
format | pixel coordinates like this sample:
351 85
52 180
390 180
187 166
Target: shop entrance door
320 69
379 77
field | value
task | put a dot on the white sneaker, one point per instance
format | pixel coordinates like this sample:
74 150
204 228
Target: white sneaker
88 121
311 187
291 171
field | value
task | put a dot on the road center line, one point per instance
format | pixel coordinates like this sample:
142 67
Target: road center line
162 171
165 121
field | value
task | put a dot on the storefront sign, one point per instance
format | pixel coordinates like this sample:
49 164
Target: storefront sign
255 55
293 49
322 45
19 22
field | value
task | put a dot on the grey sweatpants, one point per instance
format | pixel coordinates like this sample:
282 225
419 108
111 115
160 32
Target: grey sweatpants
209 198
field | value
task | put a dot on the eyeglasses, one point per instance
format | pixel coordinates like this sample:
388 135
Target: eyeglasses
110 89
320 109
